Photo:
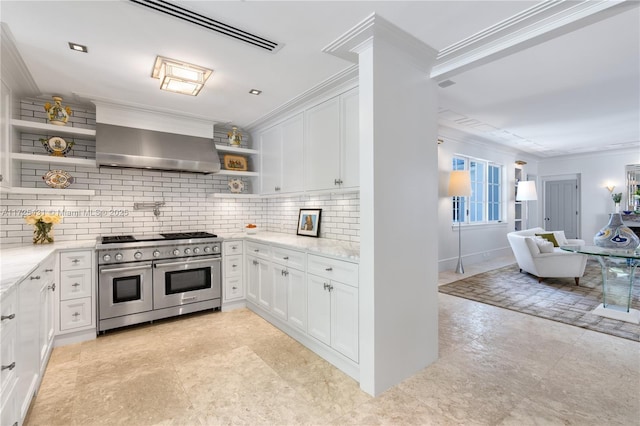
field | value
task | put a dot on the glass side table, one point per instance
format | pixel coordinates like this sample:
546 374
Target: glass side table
618 276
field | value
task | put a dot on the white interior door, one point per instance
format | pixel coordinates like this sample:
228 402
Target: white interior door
561 209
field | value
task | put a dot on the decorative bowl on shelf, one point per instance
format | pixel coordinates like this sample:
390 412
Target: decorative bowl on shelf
251 229
627 211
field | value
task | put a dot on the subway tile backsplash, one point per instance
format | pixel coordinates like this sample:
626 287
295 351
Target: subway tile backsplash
189 202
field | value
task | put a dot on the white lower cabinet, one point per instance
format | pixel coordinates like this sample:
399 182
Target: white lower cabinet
35 322
233 286
76 303
313 298
8 357
333 314
260 281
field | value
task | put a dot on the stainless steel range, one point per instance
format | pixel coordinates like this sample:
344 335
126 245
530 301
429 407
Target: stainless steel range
144 278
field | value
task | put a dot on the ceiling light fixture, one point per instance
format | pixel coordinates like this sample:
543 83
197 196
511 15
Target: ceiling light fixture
255 91
78 47
180 77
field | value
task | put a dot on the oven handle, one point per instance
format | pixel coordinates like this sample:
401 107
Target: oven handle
128 268
188 262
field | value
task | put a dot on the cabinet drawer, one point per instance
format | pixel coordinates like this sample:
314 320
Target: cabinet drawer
8 357
233 288
232 247
8 309
75 284
75 313
292 258
258 249
233 266
76 260
345 272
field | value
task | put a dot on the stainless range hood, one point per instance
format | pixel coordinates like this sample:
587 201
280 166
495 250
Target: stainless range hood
118 146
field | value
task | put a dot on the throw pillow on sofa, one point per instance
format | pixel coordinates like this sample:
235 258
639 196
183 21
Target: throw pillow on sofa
560 238
549 237
544 245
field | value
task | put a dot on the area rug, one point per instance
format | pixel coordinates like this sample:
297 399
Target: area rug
557 299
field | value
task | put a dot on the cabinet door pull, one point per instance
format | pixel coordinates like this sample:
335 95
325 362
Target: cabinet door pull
256 250
48 270
286 258
326 286
76 315
234 266
329 269
75 260
234 247
9 367
37 277
234 288
255 262
10 317
75 284
330 287
52 287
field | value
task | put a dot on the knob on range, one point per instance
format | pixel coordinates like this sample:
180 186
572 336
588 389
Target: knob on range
196 250
119 256
216 249
106 257
187 251
176 252
156 253
207 249
137 255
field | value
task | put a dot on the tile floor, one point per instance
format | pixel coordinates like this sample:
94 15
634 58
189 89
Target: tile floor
496 367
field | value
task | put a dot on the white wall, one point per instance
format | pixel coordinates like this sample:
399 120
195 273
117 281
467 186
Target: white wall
479 242
596 171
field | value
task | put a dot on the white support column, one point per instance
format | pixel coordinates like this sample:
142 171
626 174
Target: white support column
398 201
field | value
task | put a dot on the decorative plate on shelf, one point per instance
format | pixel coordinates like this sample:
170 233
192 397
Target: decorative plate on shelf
236 186
58 179
57 146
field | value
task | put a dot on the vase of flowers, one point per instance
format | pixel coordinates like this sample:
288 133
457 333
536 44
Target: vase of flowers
616 201
43 226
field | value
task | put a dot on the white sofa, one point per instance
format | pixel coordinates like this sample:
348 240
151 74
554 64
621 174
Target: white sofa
558 263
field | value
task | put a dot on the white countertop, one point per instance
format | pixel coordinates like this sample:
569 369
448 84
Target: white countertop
342 250
18 260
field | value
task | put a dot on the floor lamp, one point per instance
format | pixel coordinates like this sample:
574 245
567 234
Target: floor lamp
526 191
459 186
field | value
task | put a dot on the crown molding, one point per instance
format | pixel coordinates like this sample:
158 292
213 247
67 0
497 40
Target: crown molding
532 26
373 27
14 71
345 79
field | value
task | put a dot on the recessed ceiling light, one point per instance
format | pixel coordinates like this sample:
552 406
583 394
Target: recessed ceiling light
255 91
180 77
78 47
446 83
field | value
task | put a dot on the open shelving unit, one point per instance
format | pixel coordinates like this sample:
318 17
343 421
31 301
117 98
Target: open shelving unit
51 130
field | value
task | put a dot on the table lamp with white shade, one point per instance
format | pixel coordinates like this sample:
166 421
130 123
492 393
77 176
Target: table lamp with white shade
459 186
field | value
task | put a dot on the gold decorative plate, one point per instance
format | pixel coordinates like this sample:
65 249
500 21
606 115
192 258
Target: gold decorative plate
57 146
58 179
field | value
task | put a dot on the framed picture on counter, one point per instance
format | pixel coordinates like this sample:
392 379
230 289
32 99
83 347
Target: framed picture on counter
309 222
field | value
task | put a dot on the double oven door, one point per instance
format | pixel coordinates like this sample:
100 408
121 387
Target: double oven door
177 282
125 289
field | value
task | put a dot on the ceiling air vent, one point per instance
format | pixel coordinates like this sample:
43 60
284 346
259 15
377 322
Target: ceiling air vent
208 23
446 83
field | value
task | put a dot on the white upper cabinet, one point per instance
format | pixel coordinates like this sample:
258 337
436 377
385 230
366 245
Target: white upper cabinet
270 159
350 148
331 157
281 156
322 145
292 158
